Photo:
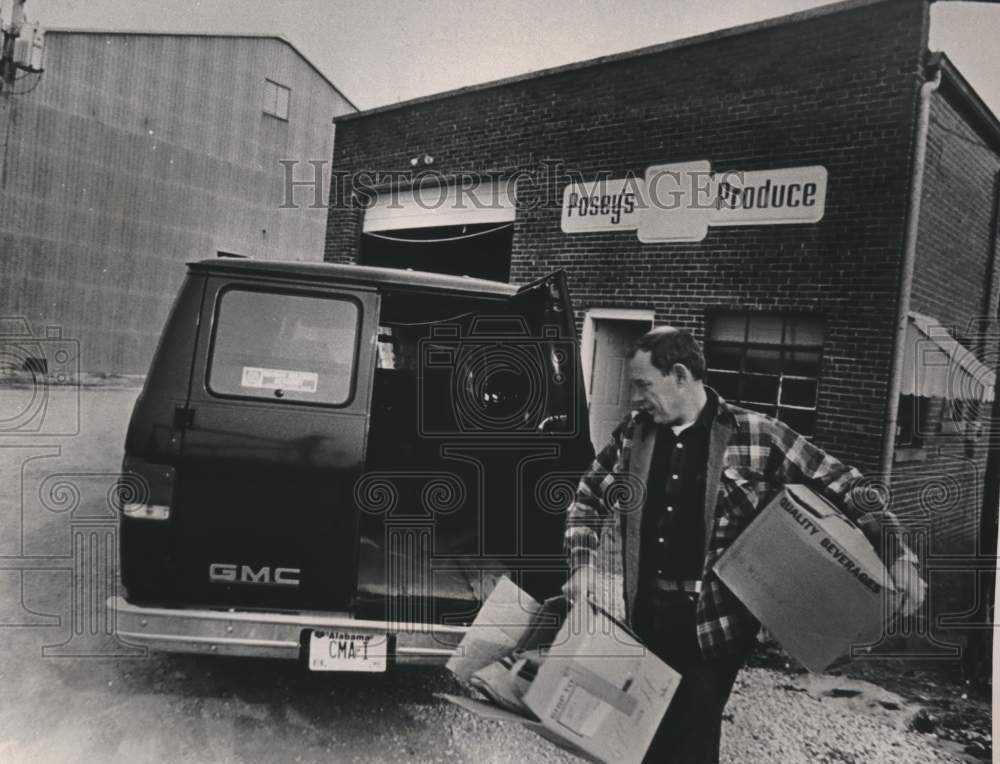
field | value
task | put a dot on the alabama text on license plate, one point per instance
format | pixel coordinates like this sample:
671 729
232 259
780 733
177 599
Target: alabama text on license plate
347 651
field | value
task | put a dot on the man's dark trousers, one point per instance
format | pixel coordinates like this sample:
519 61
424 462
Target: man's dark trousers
691 728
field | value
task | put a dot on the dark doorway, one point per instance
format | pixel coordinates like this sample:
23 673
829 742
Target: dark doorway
479 250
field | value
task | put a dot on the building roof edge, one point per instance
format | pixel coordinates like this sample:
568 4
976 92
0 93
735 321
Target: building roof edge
954 84
252 36
754 26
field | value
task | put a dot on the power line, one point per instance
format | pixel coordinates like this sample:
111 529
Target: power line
461 237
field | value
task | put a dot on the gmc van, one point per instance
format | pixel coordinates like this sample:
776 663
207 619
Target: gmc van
335 463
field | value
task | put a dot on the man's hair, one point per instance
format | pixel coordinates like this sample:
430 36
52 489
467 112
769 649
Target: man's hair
667 346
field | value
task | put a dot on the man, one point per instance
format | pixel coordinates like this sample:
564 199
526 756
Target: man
707 468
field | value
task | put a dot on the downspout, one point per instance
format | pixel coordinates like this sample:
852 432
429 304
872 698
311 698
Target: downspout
990 303
906 278
989 517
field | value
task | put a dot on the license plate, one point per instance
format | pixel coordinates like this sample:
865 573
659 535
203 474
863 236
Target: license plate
347 651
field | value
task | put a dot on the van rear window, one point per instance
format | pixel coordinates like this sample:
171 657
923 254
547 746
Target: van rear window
284 346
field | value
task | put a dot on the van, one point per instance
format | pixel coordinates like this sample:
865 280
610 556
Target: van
335 463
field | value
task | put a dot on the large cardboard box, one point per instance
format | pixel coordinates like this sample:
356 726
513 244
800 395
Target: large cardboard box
597 691
811 577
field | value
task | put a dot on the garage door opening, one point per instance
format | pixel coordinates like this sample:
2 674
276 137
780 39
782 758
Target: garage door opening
459 230
481 250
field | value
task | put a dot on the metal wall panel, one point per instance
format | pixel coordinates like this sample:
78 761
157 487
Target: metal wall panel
136 154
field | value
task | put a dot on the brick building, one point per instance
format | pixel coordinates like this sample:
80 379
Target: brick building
868 321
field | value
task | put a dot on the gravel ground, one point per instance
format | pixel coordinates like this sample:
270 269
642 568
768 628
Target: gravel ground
776 718
772 718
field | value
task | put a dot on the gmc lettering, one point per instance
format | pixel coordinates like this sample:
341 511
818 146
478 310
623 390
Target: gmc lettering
245 574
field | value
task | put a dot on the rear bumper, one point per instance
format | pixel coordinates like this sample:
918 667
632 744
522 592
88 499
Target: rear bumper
269 635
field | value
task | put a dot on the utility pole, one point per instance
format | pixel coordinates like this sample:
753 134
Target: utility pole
8 69
15 54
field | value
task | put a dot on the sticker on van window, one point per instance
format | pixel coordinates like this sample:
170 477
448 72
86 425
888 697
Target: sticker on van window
280 379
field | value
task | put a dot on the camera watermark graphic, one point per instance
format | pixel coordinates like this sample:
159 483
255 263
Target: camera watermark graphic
39 380
493 379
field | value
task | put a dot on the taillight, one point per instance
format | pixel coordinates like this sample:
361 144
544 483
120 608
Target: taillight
145 490
146 511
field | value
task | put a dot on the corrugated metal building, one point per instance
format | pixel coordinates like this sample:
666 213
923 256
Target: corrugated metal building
136 152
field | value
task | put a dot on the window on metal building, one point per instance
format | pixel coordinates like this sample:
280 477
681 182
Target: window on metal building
276 99
767 362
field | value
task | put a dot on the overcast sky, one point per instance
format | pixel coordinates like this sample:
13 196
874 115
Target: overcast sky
383 51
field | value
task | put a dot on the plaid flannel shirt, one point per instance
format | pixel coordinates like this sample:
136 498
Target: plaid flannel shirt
762 455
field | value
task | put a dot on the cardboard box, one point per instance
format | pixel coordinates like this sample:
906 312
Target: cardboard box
810 577
504 621
597 692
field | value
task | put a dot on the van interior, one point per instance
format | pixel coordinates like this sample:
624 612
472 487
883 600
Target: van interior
461 395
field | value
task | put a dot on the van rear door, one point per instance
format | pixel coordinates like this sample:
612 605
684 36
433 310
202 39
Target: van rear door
546 303
272 440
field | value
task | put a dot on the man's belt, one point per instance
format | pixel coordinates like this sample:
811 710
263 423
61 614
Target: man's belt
669 585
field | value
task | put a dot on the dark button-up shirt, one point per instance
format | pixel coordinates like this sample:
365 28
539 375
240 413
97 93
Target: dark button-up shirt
673 522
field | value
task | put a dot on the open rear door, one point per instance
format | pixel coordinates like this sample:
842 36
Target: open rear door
524 507
546 304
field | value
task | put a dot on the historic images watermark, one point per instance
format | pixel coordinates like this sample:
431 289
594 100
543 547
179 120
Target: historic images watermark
536 185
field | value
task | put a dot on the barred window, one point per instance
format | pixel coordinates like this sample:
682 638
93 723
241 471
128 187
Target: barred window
767 362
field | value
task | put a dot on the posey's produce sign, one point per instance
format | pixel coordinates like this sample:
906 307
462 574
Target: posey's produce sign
680 201
604 205
796 195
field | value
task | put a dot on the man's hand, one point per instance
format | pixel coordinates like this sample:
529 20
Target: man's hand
581 584
907 580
